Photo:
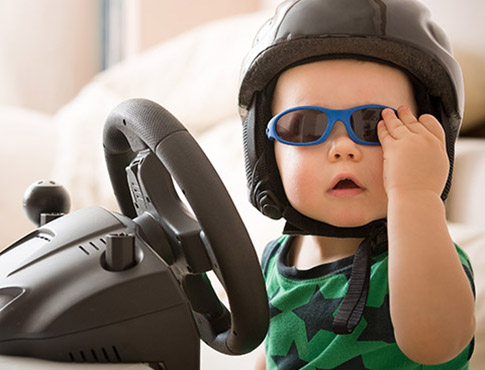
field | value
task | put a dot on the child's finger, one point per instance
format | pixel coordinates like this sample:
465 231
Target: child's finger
393 124
406 115
383 133
433 125
409 120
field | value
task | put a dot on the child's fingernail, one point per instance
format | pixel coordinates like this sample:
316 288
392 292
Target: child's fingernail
387 111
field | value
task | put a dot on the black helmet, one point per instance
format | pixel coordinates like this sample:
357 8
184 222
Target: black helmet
399 33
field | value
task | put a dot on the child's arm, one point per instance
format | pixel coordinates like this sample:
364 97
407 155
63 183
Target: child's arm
260 361
430 296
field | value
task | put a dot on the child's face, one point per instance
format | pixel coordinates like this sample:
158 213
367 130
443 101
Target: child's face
309 173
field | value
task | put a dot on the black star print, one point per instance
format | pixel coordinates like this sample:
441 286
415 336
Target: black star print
274 311
379 326
317 314
354 364
291 360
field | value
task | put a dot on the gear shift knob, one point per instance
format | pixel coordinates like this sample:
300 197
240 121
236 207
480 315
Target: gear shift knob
45 200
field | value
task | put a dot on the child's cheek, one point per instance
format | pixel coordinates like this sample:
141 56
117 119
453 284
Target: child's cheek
301 170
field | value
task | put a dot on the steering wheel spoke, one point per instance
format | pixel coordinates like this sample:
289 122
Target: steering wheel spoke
147 175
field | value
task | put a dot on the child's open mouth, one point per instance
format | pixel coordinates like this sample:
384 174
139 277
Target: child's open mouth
346 184
345 187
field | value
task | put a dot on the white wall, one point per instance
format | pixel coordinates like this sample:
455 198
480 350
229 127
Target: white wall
152 21
48 50
461 19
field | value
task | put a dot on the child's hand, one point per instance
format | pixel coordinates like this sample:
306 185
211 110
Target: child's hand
415 157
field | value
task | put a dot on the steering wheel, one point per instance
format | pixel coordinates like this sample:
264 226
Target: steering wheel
155 147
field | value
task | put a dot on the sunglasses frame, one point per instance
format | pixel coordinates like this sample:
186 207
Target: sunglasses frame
334 115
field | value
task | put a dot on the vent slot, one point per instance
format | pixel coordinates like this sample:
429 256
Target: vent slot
117 355
93 353
93 246
105 354
44 237
84 250
100 355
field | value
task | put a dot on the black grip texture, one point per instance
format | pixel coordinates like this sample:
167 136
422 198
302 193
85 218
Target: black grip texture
137 124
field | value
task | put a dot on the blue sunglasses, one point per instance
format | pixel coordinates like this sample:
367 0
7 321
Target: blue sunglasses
311 125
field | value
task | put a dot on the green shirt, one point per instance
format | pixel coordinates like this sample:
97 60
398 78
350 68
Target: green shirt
304 302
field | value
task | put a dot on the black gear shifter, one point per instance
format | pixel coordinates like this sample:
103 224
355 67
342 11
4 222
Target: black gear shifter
45 200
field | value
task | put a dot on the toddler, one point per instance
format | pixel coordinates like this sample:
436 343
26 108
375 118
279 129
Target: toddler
351 109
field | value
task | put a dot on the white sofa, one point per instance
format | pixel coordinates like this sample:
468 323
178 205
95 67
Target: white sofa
195 76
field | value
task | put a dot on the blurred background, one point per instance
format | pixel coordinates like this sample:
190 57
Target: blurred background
65 64
49 49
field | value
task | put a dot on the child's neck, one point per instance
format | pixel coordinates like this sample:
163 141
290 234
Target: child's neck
309 251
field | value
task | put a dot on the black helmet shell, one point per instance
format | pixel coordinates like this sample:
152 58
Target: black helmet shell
400 33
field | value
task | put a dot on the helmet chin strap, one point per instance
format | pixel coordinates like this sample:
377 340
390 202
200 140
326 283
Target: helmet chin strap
374 233
352 308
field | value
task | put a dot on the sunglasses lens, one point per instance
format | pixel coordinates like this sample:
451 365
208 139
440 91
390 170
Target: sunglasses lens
302 126
364 123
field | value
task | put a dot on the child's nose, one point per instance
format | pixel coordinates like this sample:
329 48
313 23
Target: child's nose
341 145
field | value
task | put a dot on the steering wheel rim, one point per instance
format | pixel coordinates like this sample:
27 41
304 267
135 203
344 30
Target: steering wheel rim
139 124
